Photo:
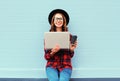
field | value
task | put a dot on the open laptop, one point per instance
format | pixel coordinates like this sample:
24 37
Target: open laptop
60 38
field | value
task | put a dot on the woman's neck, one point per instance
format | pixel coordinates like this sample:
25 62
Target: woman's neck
59 29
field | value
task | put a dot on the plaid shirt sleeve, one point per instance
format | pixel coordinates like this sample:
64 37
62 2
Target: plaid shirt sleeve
47 55
71 54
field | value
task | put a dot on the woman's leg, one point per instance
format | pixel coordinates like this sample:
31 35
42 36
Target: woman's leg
65 74
52 74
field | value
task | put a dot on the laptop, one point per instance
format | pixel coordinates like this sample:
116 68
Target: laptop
60 38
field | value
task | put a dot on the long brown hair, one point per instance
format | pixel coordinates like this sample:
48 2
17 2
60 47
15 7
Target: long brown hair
53 27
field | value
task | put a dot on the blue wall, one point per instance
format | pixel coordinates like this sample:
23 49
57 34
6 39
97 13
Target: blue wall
22 27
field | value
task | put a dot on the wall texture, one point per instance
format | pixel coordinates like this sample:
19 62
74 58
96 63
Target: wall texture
22 27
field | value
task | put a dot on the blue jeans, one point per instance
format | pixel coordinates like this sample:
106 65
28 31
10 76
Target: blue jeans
55 75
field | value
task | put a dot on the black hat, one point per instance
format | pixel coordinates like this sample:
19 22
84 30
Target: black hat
58 11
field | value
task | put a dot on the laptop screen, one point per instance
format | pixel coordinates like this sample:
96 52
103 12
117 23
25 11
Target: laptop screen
60 38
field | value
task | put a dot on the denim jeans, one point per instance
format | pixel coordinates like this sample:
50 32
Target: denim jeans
55 75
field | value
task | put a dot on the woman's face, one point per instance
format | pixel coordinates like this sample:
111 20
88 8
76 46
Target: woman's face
58 20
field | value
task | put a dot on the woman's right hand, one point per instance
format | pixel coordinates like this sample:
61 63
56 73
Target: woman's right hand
55 49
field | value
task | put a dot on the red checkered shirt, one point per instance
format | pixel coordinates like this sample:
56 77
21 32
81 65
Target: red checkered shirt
60 60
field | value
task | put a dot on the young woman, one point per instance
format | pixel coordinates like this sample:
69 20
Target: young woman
59 67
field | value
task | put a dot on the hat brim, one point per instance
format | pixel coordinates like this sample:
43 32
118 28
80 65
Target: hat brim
58 11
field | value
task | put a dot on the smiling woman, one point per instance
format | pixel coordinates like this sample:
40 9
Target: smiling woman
58 59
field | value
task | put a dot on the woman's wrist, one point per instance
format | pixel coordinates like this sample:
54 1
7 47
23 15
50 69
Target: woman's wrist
52 52
71 50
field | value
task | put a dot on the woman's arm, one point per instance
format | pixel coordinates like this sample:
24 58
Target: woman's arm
50 53
72 48
47 54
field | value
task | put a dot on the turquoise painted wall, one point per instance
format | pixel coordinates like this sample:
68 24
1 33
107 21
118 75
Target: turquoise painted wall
22 27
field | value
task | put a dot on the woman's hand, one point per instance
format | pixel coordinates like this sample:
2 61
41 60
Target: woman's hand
73 46
55 49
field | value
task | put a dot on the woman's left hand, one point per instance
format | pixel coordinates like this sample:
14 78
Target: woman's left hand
73 46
